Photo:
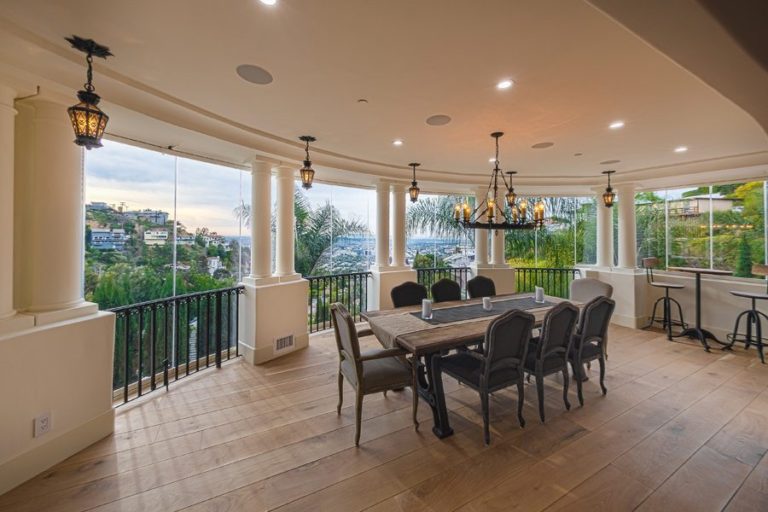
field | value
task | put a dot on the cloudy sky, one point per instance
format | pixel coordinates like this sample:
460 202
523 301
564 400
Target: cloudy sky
207 193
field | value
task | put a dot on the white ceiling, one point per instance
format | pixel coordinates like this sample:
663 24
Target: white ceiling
575 69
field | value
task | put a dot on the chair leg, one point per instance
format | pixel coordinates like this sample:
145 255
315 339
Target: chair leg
683 325
668 315
578 383
566 380
540 392
602 375
486 417
653 315
341 393
759 343
520 401
358 417
415 389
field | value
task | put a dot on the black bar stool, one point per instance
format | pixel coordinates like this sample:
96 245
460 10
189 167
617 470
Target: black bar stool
753 318
666 319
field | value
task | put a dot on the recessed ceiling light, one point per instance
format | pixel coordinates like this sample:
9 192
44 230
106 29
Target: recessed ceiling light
254 74
681 149
492 159
397 142
268 2
505 84
616 125
543 145
608 162
438 120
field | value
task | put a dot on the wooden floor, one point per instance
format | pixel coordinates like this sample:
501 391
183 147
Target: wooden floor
679 430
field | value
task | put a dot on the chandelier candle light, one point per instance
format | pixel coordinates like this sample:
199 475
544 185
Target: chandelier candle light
306 172
490 214
413 190
87 119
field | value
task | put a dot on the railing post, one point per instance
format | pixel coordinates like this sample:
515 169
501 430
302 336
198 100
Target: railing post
217 329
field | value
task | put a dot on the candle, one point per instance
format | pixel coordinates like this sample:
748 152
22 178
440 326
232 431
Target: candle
491 213
466 212
456 212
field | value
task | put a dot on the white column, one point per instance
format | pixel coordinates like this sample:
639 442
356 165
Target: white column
604 232
7 115
261 215
382 225
49 212
284 265
398 224
481 235
497 244
627 227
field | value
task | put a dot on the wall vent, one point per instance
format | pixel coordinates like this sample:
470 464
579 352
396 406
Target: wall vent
284 343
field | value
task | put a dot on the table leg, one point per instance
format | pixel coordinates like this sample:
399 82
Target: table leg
431 390
697 332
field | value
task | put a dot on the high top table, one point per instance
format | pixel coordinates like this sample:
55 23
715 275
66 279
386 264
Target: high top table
698 332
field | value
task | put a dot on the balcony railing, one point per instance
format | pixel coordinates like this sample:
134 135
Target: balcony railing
163 340
349 289
555 281
429 276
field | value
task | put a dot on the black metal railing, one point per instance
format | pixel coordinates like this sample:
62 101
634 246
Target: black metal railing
163 340
349 289
555 281
429 276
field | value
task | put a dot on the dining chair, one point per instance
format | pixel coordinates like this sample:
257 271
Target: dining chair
589 340
586 289
481 286
666 319
498 366
408 294
548 354
368 372
446 290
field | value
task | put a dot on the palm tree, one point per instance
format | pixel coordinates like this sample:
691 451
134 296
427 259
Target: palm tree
434 215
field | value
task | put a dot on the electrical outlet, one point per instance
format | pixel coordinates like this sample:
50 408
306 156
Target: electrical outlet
43 424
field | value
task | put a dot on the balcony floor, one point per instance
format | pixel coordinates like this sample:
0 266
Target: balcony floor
680 429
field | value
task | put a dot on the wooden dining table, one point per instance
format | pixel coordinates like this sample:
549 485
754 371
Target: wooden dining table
453 325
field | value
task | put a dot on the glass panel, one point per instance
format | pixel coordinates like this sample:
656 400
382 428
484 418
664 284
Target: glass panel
585 226
688 227
434 240
651 226
738 227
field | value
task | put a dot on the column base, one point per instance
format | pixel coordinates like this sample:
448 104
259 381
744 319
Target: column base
383 282
629 291
59 315
272 311
15 323
503 276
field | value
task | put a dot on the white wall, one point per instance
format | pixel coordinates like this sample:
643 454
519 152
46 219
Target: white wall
65 369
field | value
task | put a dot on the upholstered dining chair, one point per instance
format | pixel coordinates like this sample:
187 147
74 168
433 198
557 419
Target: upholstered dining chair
548 353
408 294
481 286
369 372
585 289
445 290
589 340
499 365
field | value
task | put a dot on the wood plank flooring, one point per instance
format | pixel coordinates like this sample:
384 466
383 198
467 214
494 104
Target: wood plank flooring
679 430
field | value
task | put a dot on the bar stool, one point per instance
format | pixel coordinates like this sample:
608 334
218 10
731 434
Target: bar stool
753 317
666 320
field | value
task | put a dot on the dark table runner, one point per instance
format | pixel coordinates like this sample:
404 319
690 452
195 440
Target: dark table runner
470 312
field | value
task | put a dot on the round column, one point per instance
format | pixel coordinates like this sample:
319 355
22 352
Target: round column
49 209
604 232
284 265
398 224
481 235
382 224
261 216
497 243
7 115
627 226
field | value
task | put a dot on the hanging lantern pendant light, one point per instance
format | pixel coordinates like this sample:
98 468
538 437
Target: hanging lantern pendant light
88 121
306 172
413 190
609 195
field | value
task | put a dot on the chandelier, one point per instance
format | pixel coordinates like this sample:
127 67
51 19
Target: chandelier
490 214
87 119
307 173
609 196
413 190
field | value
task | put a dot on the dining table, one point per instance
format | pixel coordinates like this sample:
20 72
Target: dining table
453 325
698 332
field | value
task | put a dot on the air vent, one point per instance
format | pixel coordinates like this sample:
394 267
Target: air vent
284 343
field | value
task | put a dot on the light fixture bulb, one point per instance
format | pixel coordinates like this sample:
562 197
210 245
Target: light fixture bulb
505 84
616 125
397 142
681 149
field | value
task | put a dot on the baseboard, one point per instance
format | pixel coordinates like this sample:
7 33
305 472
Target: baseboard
33 462
259 355
633 322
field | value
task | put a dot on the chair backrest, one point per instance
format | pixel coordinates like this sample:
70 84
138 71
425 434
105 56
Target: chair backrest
584 290
408 294
346 335
445 290
481 286
595 317
557 330
648 264
506 340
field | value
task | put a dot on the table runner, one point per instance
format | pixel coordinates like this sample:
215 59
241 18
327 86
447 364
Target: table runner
474 311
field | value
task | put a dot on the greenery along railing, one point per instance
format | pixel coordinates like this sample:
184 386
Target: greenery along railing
555 281
349 289
429 276
167 339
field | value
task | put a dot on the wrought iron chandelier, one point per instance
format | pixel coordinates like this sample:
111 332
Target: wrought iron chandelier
413 190
490 214
87 119
609 196
306 172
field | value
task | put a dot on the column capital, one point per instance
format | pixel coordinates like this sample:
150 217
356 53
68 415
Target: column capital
261 166
7 97
397 186
285 171
626 187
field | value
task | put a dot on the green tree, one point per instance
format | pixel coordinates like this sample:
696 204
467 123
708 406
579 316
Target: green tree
744 262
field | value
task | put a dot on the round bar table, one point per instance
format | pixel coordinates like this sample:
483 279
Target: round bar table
698 332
